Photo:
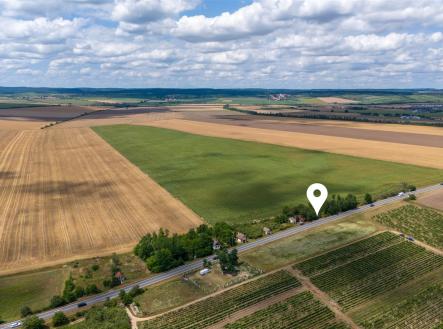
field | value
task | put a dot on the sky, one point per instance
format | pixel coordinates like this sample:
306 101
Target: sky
298 44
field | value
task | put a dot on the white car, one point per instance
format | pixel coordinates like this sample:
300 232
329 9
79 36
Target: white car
401 193
15 324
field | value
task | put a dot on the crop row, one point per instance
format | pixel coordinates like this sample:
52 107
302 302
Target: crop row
390 277
362 267
299 311
335 258
218 307
424 224
422 310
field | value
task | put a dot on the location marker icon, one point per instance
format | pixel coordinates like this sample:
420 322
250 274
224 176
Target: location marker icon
317 201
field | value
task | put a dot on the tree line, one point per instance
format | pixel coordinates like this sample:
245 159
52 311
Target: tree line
162 251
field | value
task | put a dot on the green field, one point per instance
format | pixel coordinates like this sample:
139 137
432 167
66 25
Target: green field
237 181
424 224
31 289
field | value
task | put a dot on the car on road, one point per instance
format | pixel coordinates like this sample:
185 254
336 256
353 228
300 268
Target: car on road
82 304
401 193
15 324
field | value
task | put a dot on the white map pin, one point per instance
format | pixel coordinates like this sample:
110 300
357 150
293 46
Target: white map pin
317 201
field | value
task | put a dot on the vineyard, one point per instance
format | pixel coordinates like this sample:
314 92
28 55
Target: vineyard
217 308
299 311
423 310
364 278
424 224
335 258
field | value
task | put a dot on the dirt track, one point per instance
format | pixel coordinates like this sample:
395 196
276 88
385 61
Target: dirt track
67 194
418 155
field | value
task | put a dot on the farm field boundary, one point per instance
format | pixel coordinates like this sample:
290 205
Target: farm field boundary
67 194
423 155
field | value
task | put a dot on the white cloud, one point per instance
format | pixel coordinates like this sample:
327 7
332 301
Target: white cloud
144 11
268 43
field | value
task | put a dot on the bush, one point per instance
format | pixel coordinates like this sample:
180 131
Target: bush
25 311
95 267
412 197
92 289
135 291
368 198
125 298
79 292
33 322
59 319
57 301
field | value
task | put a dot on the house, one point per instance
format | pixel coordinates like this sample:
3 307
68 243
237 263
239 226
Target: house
296 219
119 275
267 231
241 238
216 245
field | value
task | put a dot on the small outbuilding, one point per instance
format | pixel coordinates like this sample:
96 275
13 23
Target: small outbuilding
216 245
267 231
119 275
241 238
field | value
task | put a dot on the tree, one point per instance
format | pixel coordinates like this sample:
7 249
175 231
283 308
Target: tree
368 198
135 291
79 292
33 322
161 261
25 311
69 290
228 260
412 197
92 289
57 301
207 263
224 233
125 298
59 319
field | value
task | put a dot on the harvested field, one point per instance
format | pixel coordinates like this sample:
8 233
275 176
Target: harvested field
425 156
46 113
66 194
433 200
311 127
139 115
336 100
21 124
5 137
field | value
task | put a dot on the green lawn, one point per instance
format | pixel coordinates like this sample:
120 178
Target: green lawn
237 181
31 289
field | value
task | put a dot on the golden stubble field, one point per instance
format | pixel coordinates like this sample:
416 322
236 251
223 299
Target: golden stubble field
425 156
66 194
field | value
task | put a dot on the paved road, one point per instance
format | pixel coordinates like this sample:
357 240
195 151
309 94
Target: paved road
189 267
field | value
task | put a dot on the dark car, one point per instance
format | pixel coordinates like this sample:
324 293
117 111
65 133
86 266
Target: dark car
82 304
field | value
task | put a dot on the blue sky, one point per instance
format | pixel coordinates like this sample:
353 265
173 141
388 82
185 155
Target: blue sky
222 43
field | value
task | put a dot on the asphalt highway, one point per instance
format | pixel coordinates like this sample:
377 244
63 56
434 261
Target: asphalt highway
198 264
